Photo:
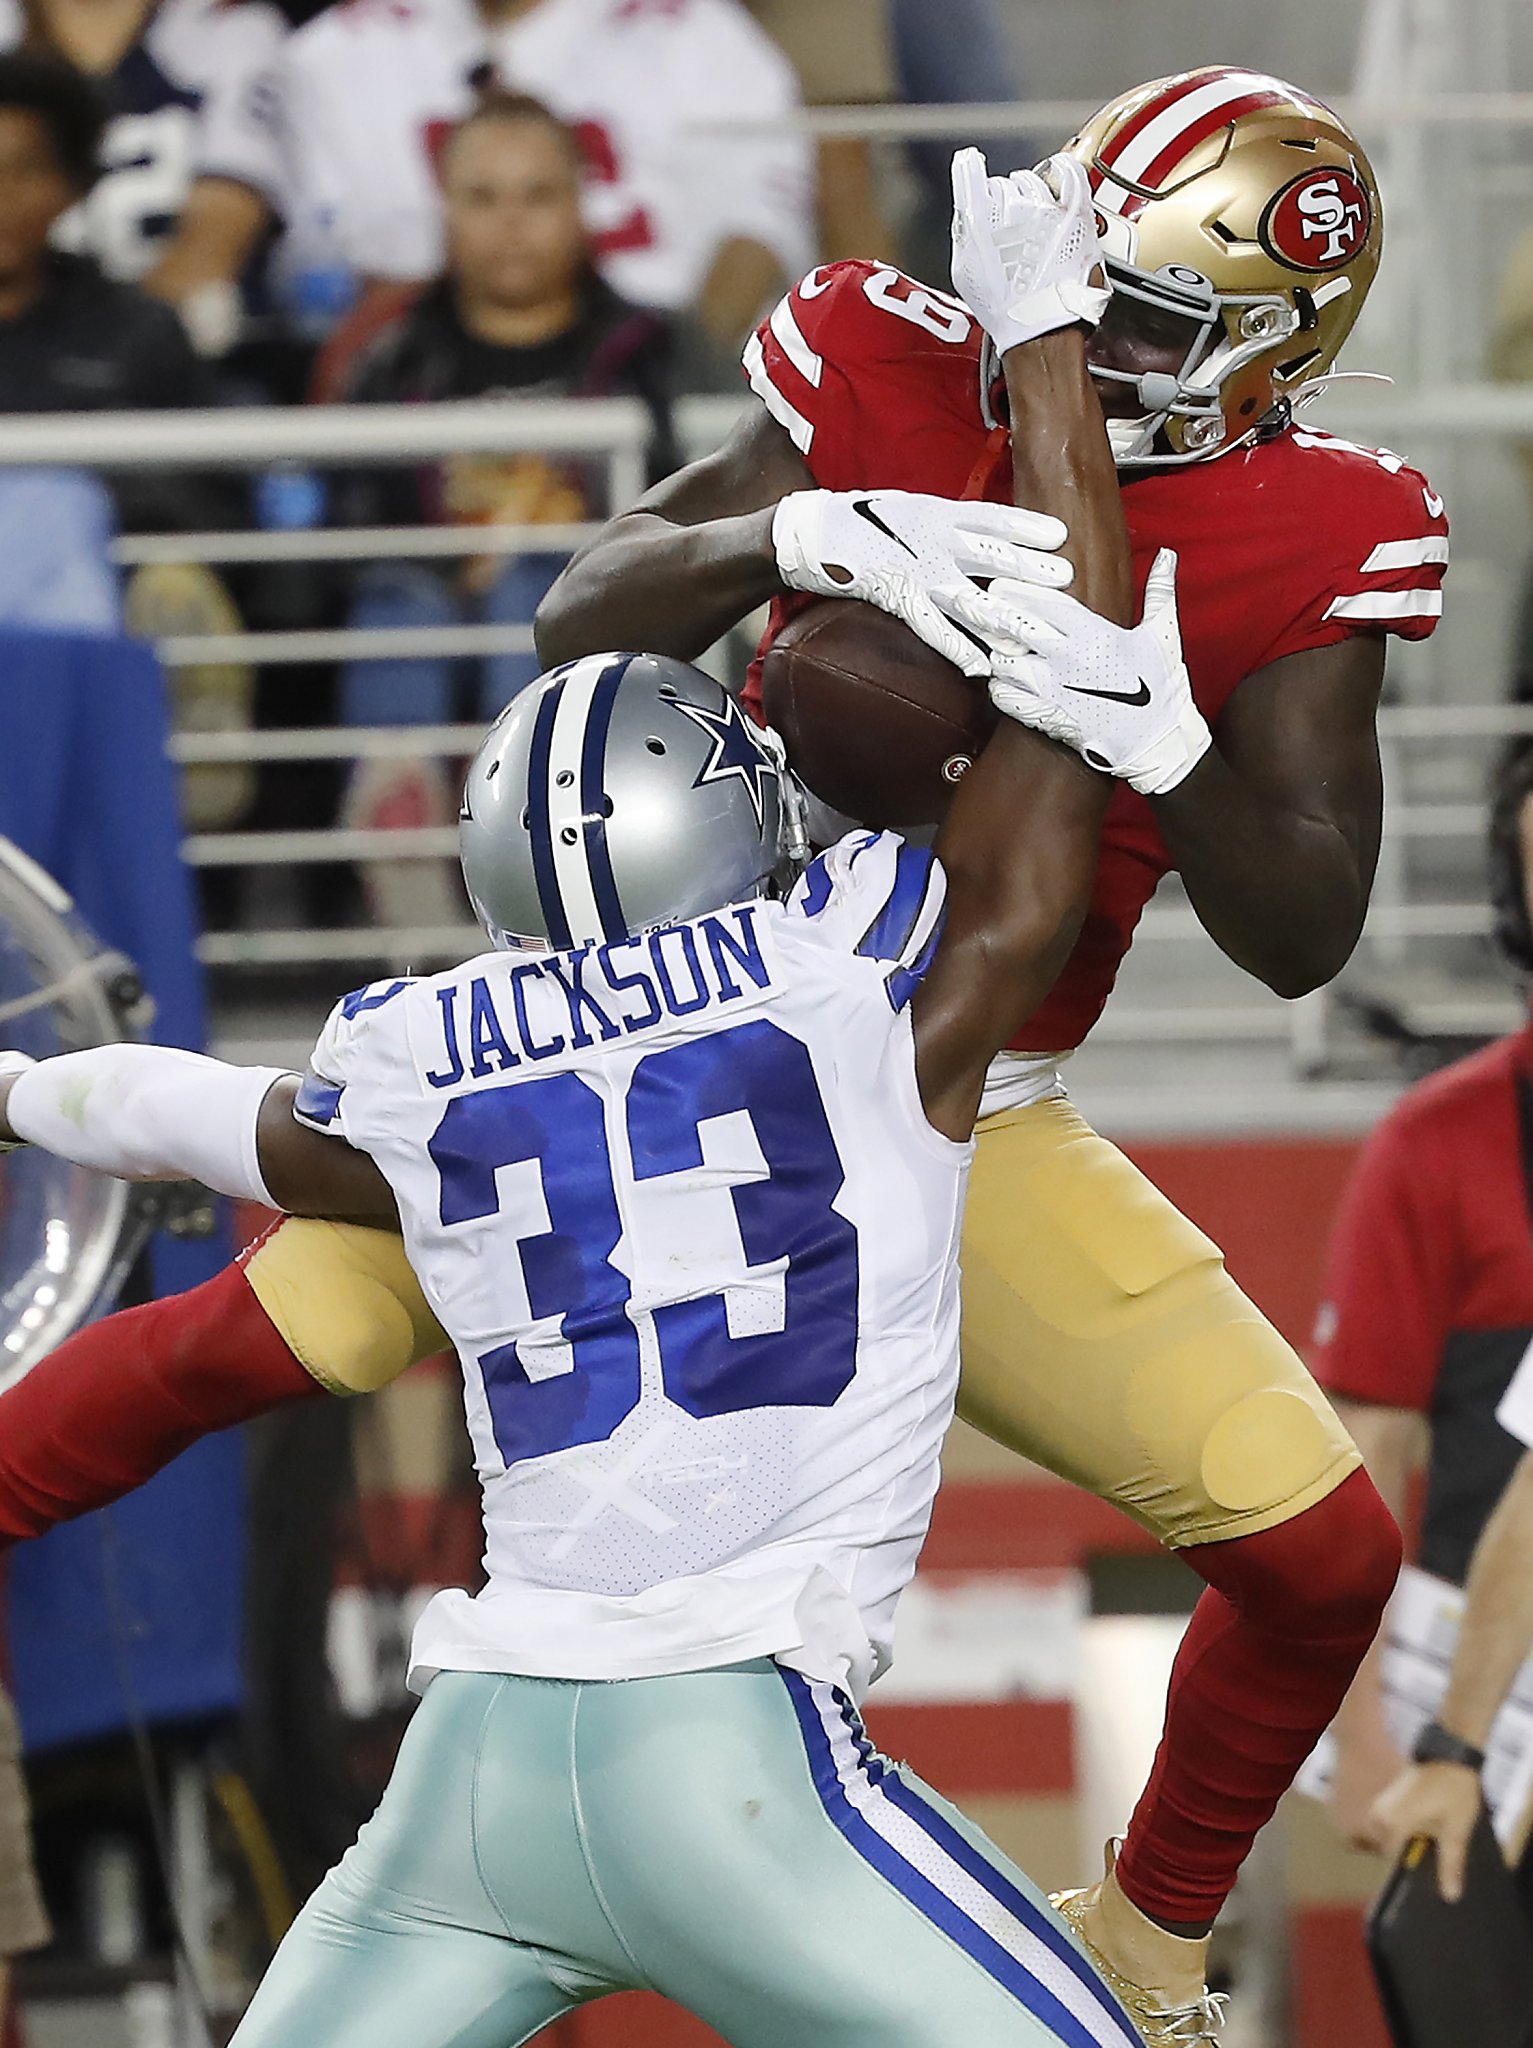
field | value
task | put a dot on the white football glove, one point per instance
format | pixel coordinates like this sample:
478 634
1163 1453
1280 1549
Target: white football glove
1026 255
915 557
1119 695
11 1064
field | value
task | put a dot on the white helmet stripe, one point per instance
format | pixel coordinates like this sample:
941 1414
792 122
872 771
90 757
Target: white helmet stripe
571 859
1184 112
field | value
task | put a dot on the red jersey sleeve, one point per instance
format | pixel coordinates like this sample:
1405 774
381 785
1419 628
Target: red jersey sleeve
839 356
1391 1274
1375 546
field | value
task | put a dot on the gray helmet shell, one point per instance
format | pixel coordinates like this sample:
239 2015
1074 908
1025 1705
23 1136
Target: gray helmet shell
617 793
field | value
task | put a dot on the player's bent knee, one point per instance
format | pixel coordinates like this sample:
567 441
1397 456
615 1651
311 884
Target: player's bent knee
1324 1574
345 1300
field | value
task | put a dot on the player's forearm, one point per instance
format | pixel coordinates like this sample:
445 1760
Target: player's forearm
648 582
1019 849
220 225
145 1112
1062 464
1282 894
1497 1634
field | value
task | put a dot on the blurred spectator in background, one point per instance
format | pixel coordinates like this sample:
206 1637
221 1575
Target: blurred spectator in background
23 1920
1440 1796
190 161
688 204
1428 1305
519 310
842 53
74 340
872 52
1511 361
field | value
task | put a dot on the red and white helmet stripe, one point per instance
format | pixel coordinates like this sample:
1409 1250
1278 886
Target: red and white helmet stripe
1155 140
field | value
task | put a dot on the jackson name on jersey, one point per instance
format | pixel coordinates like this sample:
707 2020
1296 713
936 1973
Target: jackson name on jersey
1293 543
678 1206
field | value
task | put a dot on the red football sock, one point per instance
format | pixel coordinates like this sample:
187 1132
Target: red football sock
1268 1656
124 1396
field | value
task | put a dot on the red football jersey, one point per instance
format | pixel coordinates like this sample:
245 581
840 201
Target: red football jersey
1429 1281
1294 543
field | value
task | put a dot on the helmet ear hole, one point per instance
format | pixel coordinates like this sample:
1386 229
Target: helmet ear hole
655 746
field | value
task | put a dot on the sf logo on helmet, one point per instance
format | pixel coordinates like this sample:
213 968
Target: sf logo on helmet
1319 221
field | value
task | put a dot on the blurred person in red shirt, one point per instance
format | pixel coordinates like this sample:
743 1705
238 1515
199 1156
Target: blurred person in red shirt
520 311
1428 1305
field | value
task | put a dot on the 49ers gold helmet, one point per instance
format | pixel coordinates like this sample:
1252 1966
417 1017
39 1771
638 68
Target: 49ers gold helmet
1247 208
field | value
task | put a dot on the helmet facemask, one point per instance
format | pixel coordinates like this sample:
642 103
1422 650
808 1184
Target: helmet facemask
1187 411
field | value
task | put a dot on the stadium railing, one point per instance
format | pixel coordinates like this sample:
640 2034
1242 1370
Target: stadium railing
1439 728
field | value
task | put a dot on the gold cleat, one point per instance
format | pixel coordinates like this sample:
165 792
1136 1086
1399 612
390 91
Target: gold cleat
1157 1977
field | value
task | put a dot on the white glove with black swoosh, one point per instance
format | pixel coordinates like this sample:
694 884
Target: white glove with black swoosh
916 557
1119 695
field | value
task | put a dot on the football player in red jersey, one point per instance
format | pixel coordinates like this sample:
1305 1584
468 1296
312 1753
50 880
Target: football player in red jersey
1102 1336
1240 224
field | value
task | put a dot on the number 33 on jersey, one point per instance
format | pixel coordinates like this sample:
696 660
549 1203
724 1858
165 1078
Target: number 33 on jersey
678 1206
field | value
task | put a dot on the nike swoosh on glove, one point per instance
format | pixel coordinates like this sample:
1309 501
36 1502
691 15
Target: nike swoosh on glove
1119 695
916 557
1026 255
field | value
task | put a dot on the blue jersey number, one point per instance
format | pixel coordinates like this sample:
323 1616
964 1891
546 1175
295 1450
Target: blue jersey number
580 1384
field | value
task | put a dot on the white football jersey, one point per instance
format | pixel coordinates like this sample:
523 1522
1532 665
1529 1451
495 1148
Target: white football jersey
194 97
679 1207
652 86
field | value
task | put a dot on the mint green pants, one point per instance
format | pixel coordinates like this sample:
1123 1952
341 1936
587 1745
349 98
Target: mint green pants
730 1838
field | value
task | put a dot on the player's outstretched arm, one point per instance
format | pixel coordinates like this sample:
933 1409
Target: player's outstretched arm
648 581
1019 850
692 558
1019 845
151 1112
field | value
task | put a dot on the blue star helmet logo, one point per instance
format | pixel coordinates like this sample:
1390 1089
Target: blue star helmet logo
736 752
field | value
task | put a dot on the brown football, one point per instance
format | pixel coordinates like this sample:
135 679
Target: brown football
876 723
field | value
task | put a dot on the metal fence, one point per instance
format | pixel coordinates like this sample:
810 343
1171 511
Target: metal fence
1445 716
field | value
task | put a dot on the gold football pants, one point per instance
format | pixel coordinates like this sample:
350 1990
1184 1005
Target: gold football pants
1102 1337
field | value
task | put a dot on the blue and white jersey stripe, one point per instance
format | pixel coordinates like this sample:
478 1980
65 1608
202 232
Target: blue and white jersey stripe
886 898
912 1844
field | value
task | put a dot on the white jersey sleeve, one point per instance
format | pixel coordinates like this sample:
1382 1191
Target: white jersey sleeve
883 900
337 1056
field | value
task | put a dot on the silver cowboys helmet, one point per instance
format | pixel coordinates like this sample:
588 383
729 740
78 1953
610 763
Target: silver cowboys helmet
618 793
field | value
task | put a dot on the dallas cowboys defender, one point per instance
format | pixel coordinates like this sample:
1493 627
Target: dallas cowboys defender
681 1167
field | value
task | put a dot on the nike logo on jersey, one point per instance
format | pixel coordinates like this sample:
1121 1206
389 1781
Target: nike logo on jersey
810 287
1433 503
865 511
1135 697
